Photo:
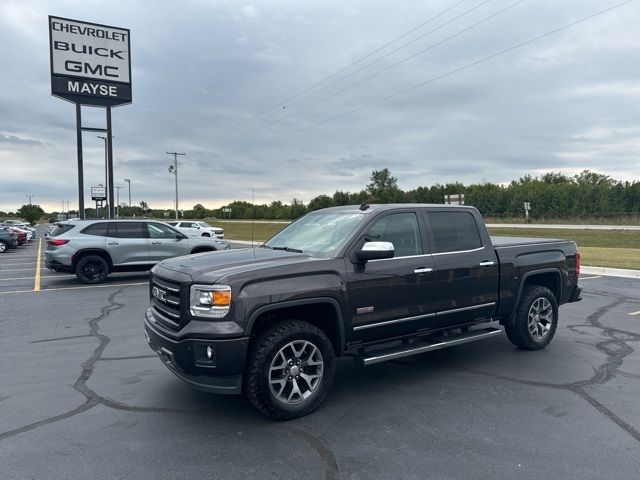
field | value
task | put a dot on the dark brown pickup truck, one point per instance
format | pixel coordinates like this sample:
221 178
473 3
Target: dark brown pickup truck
375 282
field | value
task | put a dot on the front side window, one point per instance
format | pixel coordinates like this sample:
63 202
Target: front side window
187 225
454 231
319 234
158 230
401 229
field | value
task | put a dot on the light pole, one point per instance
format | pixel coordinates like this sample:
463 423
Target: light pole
174 169
129 182
106 164
118 200
29 197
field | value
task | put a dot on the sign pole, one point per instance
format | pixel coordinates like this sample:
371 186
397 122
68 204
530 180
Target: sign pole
80 169
110 164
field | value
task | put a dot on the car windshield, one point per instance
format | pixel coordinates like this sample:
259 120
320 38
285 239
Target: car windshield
204 225
317 234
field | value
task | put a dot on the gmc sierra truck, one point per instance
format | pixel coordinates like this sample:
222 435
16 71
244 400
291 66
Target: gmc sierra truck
375 282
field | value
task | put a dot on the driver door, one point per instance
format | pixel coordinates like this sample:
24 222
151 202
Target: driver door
165 242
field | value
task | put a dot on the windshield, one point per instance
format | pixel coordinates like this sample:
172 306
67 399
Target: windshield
317 234
204 225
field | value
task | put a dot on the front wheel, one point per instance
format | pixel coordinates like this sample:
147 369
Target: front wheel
290 370
536 319
3 247
92 269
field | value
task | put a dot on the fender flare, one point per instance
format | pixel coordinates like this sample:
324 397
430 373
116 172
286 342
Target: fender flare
555 271
296 303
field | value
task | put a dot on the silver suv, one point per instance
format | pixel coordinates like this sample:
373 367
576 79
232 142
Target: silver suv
94 248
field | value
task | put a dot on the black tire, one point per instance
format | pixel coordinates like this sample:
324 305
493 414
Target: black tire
536 319
92 269
3 247
262 370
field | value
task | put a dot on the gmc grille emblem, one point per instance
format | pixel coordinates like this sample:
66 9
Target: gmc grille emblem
158 294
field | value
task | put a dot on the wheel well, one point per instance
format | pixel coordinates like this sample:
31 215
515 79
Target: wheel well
550 280
99 253
202 250
322 315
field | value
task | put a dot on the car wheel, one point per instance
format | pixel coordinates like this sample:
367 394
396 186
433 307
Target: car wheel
290 371
3 247
92 269
536 319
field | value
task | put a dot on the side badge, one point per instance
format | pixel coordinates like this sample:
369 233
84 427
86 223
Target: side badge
362 310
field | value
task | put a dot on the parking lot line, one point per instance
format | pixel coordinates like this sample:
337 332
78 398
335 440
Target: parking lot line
590 278
36 281
15 269
77 288
634 313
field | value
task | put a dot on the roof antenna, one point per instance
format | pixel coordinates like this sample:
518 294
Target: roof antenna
364 206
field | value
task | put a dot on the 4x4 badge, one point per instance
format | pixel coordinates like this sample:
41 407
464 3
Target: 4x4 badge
159 294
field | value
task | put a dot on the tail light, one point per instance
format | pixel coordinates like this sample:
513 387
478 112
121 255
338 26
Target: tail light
577 264
57 243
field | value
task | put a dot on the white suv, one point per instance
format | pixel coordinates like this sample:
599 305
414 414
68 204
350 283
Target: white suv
195 228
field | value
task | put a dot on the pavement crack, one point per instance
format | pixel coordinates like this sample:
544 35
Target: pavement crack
60 338
320 446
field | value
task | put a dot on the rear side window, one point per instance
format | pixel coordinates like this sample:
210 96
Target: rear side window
61 228
126 230
187 225
454 231
99 229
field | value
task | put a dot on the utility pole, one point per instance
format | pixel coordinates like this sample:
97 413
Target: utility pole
174 169
118 200
30 197
128 180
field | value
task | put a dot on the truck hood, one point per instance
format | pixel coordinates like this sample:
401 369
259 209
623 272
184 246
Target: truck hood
208 267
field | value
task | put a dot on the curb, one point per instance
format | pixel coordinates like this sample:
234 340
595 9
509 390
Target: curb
610 272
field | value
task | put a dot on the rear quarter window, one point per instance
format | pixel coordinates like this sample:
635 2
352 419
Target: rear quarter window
454 231
61 228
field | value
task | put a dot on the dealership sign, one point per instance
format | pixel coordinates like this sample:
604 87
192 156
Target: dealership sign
90 63
98 193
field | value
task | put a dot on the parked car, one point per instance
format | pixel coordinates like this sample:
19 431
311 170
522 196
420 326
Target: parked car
7 239
92 249
375 282
198 229
15 223
22 235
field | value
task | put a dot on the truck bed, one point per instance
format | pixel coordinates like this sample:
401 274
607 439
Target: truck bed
499 241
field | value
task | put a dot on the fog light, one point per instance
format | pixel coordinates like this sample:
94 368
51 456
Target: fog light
209 352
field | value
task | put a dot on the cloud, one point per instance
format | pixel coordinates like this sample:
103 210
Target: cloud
250 11
211 79
6 138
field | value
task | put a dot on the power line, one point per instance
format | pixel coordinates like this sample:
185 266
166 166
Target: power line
439 77
366 79
286 100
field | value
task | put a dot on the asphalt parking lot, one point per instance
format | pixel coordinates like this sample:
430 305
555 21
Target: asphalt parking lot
82 396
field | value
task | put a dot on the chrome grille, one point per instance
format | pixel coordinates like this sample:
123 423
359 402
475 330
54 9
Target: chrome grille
165 302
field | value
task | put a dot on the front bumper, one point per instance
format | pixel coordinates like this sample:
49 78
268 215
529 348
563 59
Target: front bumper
186 358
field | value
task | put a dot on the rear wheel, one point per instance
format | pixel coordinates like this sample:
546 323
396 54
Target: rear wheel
290 370
3 247
536 319
92 269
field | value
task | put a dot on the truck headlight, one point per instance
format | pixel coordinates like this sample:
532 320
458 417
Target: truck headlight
211 301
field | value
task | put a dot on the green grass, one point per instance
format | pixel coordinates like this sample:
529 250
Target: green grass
242 231
584 238
601 248
598 248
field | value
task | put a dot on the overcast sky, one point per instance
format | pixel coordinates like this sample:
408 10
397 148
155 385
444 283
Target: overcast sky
203 70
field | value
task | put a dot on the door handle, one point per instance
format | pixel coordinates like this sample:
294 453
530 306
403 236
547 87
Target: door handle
486 264
156 243
113 243
423 270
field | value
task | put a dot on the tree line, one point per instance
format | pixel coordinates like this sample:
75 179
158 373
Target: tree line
552 195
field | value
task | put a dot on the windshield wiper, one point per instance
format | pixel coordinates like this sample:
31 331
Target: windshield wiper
288 249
